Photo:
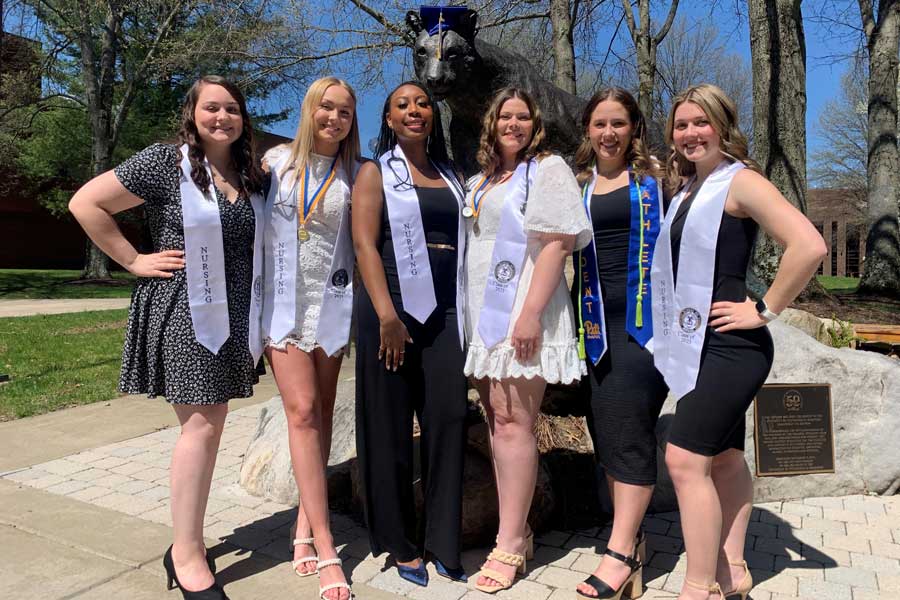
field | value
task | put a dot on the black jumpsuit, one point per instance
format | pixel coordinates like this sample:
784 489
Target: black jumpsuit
733 365
430 384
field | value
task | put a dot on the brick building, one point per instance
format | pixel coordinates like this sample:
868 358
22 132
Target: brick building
840 216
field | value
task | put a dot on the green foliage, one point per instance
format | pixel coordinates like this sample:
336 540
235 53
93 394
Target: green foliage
841 335
836 284
56 361
49 140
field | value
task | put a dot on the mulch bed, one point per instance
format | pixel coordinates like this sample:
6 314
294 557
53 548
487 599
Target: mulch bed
854 308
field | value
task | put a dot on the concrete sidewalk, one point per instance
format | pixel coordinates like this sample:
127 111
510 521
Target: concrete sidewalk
24 308
84 514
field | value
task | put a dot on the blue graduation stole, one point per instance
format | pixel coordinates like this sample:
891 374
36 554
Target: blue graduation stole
646 217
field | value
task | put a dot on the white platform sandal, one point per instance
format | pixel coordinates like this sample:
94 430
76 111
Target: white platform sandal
332 586
304 559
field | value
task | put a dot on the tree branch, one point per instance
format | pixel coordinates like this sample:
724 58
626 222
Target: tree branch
498 23
664 30
380 18
138 77
868 17
301 59
629 19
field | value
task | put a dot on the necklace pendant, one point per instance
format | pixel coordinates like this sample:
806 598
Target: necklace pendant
475 228
302 234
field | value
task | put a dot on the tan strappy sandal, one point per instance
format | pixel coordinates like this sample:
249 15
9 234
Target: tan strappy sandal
741 590
712 589
332 586
513 560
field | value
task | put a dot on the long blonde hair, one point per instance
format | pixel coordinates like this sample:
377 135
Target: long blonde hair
303 143
722 114
488 157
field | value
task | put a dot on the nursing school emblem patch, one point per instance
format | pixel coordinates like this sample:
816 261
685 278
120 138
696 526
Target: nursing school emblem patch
504 271
340 278
689 320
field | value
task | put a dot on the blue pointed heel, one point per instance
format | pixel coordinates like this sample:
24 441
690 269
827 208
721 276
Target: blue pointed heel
417 575
456 574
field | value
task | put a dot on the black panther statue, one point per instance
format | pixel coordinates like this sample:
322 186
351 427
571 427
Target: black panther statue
466 74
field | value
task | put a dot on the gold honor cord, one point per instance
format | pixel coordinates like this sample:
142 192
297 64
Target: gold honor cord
639 306
440 37
308 206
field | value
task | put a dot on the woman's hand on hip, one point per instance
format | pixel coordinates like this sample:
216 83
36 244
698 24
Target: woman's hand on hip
158 264
726 316
394 338
526 335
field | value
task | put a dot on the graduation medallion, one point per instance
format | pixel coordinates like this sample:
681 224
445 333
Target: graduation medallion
302 234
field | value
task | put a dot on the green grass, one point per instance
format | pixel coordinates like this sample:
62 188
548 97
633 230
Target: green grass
55 361
839 284
22 284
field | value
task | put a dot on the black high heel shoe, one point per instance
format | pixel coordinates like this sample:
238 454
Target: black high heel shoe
213 592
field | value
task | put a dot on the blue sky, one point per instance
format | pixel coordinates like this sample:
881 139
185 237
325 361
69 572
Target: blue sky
822 77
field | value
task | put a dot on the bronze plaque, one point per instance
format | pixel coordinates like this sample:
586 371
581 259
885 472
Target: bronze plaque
793 432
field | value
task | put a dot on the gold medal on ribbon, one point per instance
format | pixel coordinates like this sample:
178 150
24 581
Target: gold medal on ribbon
310 202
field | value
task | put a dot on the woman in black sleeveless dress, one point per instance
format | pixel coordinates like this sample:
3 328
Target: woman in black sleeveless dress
705 452
405 367
627 392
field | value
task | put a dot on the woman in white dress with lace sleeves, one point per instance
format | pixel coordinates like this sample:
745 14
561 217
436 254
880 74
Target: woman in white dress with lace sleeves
524 220
308 303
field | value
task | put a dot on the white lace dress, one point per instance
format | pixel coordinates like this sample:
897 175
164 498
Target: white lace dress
554 207
314 255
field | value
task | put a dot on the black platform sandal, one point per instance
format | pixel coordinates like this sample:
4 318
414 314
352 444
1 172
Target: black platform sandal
632 587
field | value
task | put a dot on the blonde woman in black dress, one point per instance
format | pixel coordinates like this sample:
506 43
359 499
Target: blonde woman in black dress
193 324
710 340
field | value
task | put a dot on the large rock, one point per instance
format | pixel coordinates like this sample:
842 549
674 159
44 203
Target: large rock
865 396
266 470
809 324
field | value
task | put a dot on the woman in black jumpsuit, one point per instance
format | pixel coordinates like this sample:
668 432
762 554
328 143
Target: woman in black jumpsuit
404 367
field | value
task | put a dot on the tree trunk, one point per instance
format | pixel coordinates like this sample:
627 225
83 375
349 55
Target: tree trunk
98 77
645 45
881 269
778 55
563 45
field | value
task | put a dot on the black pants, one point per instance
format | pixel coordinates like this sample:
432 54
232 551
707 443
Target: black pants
430 384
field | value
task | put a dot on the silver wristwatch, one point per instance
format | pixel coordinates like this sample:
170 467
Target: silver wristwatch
763 309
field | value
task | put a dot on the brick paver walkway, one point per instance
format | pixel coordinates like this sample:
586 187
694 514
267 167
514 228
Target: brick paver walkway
818 548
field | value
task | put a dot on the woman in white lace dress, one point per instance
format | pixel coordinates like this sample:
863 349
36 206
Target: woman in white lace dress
524 214
308 300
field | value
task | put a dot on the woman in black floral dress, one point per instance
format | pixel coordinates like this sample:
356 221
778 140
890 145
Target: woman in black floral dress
163 354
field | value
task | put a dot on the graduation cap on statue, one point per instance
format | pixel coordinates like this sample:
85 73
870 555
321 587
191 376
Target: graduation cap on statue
437 20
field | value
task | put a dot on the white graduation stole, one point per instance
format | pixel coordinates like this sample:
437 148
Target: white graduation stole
408 234
507 258
205 263
680 312
280 312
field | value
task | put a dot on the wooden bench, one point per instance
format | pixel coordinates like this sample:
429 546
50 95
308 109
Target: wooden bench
878 333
